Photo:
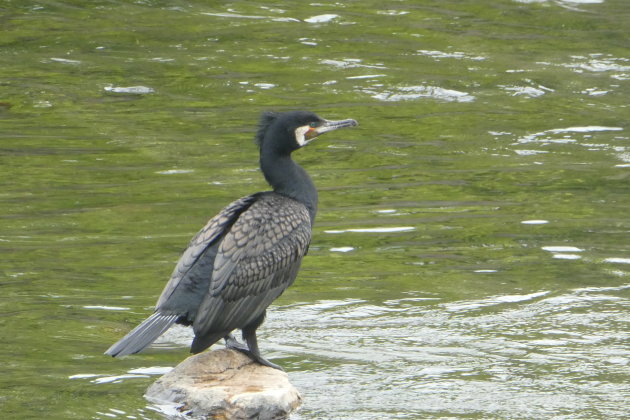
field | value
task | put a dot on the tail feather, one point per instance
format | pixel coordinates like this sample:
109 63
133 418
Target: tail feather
143 335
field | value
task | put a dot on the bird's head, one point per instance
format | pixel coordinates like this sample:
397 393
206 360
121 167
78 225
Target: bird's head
289 131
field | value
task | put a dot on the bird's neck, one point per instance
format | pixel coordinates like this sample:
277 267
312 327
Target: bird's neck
288 178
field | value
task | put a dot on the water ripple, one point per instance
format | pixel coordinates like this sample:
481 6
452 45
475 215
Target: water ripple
518 348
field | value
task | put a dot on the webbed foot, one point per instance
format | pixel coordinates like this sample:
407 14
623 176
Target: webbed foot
232 343
259 359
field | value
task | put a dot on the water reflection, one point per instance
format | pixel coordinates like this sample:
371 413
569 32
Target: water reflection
563 135
409 93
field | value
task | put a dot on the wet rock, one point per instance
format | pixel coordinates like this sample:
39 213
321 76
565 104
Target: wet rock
226 384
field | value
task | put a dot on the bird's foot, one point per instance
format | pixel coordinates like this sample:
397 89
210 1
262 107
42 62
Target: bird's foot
258 358
232 343
236 345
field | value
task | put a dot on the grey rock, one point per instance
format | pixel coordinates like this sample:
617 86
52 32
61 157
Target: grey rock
226 384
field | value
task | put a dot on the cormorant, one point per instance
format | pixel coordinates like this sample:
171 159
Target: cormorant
248 254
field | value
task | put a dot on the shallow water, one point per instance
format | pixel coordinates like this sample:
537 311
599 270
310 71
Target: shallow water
470 255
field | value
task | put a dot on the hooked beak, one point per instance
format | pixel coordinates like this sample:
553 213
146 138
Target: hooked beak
327 126
333 125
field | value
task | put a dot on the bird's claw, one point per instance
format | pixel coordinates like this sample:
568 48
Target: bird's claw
234 344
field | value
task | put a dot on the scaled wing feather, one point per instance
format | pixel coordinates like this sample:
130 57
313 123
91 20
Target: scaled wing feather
200 242
256 261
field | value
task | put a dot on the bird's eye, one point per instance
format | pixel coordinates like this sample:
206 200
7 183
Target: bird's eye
313 124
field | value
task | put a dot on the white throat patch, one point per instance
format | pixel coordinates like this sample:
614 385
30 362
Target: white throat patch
300 135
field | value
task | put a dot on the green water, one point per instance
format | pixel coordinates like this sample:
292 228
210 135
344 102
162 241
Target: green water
470 257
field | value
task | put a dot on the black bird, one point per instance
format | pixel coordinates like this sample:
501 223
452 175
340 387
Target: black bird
248 254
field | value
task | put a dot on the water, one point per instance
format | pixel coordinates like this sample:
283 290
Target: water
470 257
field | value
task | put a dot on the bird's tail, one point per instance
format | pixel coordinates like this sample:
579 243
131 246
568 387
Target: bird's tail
143 335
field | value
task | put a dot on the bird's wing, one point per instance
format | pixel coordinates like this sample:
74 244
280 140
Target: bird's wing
256 261
205 238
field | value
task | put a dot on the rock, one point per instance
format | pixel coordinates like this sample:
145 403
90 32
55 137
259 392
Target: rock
226 384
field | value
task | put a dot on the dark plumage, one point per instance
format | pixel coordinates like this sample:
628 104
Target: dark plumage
248 254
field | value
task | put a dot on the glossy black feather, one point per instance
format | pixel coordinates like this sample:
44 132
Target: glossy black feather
266 119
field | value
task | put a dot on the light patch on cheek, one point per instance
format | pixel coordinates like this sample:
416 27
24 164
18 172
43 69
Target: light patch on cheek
300 135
